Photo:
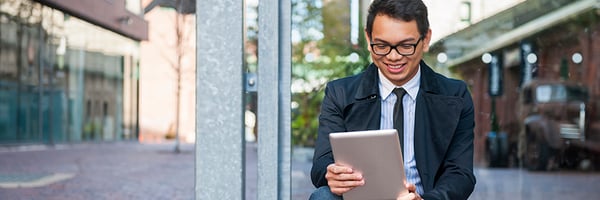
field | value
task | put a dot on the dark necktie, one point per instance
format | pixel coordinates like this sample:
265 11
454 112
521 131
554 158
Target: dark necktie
399 115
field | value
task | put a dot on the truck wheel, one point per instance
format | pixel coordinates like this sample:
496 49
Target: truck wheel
537 155
571 158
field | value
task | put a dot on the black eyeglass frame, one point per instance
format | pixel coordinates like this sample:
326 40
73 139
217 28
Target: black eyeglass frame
414 48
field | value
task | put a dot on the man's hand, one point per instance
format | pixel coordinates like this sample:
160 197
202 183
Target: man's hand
412 193
342 179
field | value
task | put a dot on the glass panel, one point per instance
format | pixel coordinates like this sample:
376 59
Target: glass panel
555 93
50 65
551 93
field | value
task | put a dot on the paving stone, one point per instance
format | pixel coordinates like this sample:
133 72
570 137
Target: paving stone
119 170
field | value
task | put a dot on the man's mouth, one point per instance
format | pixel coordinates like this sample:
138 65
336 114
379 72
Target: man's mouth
396 67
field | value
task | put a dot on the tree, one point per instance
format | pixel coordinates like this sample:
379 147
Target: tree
178 51
324 52
183 34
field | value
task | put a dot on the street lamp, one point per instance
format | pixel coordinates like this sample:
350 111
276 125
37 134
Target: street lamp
486 58
577 58
532 58
442 57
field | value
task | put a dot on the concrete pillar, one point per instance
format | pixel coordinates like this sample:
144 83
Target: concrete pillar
219 100
274 95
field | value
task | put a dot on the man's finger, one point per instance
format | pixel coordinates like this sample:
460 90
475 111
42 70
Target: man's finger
343 177
352 184
345 183
336 169
340 187
349 177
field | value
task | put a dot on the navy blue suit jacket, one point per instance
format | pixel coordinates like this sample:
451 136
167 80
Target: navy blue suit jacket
443 137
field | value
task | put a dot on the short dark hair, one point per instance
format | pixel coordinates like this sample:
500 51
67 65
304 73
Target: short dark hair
406 10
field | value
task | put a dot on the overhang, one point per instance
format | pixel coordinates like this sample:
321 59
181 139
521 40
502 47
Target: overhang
468 45
111 15
182 6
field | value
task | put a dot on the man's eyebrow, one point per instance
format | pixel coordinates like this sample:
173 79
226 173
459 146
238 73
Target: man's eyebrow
401 42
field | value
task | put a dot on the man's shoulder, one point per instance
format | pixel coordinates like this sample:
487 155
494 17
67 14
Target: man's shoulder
451 82
428 71
352 81
443 84
346 81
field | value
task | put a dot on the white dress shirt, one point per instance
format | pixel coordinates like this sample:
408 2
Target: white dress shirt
387 122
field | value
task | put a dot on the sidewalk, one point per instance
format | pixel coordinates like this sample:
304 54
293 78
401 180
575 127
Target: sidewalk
120 170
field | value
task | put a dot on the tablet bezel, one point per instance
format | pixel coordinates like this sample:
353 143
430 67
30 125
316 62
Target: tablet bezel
377 155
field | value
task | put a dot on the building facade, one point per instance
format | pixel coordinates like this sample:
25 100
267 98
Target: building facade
536 39
68 70
450 16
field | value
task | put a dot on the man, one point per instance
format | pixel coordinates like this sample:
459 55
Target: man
437 112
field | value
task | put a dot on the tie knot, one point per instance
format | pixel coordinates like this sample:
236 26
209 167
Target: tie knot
399 92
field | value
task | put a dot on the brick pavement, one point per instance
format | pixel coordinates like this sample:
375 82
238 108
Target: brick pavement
119 170
129 170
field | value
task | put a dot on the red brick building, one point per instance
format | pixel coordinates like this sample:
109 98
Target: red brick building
537 39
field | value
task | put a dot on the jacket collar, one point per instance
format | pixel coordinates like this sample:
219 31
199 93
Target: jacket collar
368 84
429 82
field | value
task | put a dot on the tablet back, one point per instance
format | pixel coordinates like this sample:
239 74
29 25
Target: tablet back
377 155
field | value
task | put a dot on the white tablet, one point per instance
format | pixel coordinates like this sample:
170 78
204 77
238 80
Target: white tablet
377 155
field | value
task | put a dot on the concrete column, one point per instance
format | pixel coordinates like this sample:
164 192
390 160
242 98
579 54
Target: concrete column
274 95
219 100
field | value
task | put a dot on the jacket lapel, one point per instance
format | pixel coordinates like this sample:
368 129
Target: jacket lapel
366 104
433 132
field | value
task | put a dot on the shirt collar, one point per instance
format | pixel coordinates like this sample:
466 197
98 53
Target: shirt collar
411 87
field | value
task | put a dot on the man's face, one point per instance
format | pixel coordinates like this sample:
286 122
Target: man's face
397 68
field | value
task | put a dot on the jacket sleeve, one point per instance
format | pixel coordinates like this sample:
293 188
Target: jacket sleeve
330 120
455 179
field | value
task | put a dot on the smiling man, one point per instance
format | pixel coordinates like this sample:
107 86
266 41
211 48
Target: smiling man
433 115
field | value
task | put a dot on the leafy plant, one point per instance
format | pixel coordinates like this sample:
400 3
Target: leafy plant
323 53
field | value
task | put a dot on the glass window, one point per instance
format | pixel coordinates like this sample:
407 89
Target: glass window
52 65
558 93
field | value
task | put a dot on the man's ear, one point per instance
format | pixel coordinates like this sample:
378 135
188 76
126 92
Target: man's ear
368 40
426 41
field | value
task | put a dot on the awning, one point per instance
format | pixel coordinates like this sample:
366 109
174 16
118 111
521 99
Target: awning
528 29
107 14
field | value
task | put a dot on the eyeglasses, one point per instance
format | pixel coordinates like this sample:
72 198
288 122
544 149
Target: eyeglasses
402 49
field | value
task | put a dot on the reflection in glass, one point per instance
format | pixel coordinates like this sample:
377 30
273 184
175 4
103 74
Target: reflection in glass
62 79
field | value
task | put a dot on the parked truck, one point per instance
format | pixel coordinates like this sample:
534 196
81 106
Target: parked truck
559 127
